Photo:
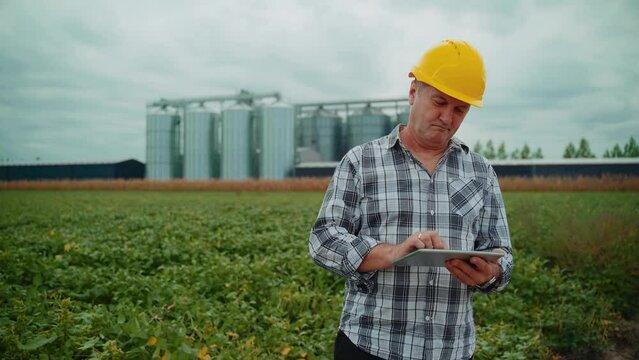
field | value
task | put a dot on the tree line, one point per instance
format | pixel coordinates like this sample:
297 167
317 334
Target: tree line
489 152
630 149
581 151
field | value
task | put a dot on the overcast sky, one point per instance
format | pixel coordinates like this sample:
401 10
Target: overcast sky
75 75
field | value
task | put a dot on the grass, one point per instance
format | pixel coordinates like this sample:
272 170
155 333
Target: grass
595 236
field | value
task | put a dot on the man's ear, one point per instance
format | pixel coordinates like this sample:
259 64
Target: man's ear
412 92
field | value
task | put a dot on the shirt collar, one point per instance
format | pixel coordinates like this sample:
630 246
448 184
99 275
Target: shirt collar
455 143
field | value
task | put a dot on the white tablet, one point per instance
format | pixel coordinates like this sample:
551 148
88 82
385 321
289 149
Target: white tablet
437 257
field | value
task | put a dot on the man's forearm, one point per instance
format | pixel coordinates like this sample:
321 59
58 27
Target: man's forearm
379 258
382 256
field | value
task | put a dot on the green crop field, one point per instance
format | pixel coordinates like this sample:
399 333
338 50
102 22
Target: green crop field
141 275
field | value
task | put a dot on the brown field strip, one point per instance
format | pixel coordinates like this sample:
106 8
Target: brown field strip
606 183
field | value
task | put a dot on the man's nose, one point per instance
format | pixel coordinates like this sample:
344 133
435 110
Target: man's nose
447 115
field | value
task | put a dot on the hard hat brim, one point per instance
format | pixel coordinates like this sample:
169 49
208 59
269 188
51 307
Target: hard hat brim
446 90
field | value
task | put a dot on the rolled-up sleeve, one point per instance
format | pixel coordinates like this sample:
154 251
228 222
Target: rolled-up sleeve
493 231
334 242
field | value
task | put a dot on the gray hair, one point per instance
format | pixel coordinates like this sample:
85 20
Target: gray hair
419 85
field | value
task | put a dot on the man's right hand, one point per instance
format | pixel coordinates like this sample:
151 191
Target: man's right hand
383 255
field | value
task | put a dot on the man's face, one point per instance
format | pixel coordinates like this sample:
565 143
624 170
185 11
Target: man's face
434 116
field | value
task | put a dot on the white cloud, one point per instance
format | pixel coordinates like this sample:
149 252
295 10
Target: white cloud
75 70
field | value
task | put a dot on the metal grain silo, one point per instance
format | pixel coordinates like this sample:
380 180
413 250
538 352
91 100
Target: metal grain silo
306 129
366 125
200 144
162 144
236 143
276 141
327 134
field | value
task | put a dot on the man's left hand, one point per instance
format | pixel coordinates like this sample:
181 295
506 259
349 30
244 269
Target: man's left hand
476 272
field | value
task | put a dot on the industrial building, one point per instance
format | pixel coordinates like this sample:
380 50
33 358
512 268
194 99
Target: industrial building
327 130
128 169
522 168
227 137
249 135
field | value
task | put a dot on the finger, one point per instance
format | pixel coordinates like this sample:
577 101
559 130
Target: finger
433 239
417 244
438 242
480 264
484 268
424 237
407 247
466 267
475 276
411 244
459 274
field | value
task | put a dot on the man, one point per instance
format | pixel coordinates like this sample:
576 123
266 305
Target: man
418 187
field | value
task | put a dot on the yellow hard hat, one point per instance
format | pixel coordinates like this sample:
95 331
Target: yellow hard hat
455 68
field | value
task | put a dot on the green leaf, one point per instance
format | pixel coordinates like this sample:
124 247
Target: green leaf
89 344
37 342
187 349
37 279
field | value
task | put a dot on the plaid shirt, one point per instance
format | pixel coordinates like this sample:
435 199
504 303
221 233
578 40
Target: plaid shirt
380 193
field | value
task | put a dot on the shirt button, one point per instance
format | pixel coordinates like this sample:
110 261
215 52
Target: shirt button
432 212
427 318
430 282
